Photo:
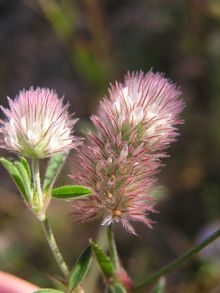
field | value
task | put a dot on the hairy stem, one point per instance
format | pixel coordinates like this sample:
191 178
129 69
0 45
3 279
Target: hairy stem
112 248
36 177
43 219
37 201
54 248
178 261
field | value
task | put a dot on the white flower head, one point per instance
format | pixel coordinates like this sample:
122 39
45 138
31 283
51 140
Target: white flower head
38 125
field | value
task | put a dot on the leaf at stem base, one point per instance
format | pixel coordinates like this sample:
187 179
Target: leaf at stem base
80 269
104 261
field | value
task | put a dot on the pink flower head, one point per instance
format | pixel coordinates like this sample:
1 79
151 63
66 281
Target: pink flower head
119 162
38 124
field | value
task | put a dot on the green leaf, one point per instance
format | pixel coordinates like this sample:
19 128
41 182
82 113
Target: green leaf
54 167
48 291
80 269
118 288
159 288
25 177
15 175
26 165
104 261
70 191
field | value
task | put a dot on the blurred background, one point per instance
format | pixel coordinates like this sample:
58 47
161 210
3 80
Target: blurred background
77 47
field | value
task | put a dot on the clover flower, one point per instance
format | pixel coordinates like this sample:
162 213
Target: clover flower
119 162
38 124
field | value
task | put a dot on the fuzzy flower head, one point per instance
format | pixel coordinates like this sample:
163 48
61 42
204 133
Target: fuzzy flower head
145 109
38 124
134 126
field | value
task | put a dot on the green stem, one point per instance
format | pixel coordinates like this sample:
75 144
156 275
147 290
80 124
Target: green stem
54 248
37 201
112 248
36 177
43 219
175 263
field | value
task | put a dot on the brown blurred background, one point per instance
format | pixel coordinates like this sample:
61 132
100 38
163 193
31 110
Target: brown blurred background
78 47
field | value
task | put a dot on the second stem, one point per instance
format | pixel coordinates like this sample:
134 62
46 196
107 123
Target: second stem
113 248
